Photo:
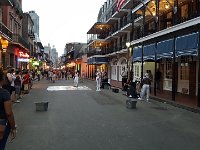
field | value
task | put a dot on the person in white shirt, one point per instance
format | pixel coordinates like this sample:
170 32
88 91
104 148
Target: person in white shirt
76 77
98 80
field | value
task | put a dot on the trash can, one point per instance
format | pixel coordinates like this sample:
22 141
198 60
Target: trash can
131 103
131 90
41 106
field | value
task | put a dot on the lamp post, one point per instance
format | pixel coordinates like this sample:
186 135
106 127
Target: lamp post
128 44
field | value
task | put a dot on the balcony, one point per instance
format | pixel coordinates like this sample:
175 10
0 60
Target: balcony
19 40
5 31
5 3
31 35
18 7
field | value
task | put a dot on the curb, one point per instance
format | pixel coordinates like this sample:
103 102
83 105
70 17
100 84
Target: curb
173 103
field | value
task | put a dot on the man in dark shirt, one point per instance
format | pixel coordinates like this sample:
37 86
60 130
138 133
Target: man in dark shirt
7 121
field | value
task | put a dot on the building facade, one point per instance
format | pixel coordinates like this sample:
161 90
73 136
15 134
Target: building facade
164 36
12 16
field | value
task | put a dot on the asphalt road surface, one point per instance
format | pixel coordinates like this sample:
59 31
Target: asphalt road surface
83 119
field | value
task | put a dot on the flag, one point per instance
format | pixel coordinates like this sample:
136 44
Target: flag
119 4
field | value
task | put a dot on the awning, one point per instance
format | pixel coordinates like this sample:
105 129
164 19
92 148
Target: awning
187 44
149 52
165 49
137 53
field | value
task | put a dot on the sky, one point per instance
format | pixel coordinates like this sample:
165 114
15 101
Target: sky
63 21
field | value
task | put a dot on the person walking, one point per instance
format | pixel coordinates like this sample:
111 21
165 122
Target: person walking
98 80
7 121
76 77
145 87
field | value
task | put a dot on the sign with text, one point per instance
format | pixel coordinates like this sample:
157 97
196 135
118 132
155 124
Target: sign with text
23 55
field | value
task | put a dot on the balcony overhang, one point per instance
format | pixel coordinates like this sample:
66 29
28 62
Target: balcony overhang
127 27
112 20
109 38
119 33
6 3
172 29
19 45
98 28
121 13
128 4
138 21
97 43
140 6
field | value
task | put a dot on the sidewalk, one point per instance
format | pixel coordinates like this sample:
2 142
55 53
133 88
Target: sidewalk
152 98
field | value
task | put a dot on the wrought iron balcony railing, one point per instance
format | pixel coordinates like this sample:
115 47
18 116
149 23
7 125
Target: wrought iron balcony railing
5 31
18 39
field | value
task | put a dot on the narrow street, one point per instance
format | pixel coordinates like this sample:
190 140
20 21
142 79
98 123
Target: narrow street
88 120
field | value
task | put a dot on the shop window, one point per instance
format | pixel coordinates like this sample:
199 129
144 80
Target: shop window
184 68
136 71
168 73
113 70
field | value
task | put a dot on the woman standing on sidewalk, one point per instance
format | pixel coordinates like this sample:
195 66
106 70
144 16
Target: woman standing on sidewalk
7 121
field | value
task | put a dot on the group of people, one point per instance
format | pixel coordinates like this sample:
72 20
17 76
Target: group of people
143 88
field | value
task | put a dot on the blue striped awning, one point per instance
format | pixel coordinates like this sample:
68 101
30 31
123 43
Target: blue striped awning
137 53
187 44
165 49
149 52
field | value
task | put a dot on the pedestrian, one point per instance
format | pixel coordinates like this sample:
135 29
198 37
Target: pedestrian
158 78
54 77
145 87
76 78
18 84
150 75
124 78
7 121
26 82
98 80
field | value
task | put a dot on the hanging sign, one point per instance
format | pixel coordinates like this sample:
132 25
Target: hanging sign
23 57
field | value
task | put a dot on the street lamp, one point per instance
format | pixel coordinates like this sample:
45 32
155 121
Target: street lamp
128 44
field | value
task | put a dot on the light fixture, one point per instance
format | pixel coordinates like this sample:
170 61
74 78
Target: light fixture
166 6
128 44
4 45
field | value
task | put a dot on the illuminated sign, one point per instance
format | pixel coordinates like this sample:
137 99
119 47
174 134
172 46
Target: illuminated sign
23 55
36 63
23 60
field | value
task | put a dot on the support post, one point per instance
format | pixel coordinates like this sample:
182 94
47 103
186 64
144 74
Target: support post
198 96
174 72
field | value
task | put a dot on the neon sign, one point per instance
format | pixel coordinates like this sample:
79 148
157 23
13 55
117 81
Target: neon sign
23 55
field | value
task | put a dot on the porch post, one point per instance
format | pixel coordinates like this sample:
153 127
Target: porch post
198 7
143 34
157 20
142 61
198 96
155 70
174 71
